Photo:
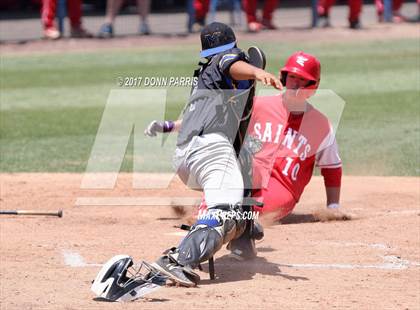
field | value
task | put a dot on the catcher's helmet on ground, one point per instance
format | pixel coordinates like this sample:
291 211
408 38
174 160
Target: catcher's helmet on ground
216 38
304 65
119 280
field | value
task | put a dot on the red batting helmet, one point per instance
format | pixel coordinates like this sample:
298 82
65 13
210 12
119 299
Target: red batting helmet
305 66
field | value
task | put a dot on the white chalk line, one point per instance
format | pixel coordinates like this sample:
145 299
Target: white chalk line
379 246
399 212
386 213
391 262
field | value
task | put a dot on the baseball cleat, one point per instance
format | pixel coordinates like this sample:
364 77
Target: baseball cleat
324 21
80 33
182 275
268 25
106 31
398 18
144 29
51 33
254 27
355 25
197 27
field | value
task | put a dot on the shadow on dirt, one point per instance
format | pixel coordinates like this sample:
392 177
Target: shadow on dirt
299 218
167 218
229 269
156 299
265 249
100 299
321 215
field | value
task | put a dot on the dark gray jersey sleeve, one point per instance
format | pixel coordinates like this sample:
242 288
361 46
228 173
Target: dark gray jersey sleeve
226 60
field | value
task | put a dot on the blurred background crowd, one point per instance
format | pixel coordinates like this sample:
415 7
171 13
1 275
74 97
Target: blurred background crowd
251 15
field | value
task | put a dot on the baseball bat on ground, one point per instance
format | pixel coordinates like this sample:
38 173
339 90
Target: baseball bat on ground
58 213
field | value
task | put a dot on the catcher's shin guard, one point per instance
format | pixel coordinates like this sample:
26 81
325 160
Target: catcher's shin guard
218 226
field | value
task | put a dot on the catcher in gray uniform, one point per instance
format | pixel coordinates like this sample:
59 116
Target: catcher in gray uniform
207 150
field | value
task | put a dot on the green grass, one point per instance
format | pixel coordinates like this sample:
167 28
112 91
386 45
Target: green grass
51 105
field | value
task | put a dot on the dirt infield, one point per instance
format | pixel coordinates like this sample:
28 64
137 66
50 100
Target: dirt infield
371 262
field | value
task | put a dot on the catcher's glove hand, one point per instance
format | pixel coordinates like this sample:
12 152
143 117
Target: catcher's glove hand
153 128
158 127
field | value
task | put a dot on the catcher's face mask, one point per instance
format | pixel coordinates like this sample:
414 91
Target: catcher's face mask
120 280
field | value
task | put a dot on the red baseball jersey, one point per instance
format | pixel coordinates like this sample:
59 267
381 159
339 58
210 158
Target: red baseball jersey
288 145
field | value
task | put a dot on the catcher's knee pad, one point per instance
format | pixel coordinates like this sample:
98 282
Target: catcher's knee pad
232 224
217 226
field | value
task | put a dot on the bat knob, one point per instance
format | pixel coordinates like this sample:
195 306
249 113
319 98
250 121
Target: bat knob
60 213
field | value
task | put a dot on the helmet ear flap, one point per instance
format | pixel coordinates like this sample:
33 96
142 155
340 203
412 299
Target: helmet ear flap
310 89
311 84
283 77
